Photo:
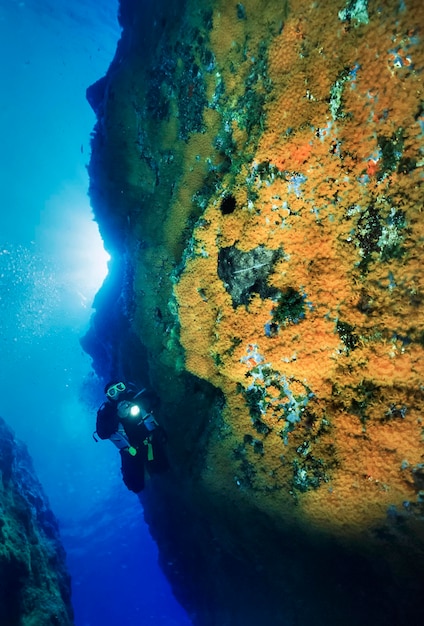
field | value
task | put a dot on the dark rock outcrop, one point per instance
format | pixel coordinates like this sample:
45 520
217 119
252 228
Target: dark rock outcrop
34 583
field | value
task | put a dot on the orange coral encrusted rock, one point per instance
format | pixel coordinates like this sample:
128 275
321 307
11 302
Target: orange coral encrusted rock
333 395
261 164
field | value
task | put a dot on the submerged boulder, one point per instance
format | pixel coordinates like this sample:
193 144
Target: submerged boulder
258 167
34 583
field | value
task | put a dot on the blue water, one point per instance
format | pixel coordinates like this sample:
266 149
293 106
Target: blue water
51 264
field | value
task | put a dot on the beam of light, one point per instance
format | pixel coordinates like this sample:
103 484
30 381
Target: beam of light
69 235
83 255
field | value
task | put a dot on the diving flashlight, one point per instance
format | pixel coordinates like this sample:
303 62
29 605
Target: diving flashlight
128 410
134 410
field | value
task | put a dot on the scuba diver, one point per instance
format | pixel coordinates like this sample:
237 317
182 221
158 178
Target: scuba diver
134 431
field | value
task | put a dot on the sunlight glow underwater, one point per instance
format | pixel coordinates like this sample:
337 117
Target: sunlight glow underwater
71 236
86 259
52 281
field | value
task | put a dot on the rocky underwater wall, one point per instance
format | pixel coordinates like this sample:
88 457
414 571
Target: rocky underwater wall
35 587
257 176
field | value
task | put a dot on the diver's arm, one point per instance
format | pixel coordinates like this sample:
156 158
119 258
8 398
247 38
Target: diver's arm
120 440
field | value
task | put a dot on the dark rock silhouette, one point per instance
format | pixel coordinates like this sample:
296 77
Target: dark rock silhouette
34 583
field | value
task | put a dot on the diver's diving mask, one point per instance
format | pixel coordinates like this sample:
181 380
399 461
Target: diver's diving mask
115 390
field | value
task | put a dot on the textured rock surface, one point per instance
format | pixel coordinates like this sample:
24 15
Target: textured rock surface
257 173
34 584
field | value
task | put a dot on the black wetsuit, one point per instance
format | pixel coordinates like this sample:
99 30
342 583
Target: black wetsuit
145 438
